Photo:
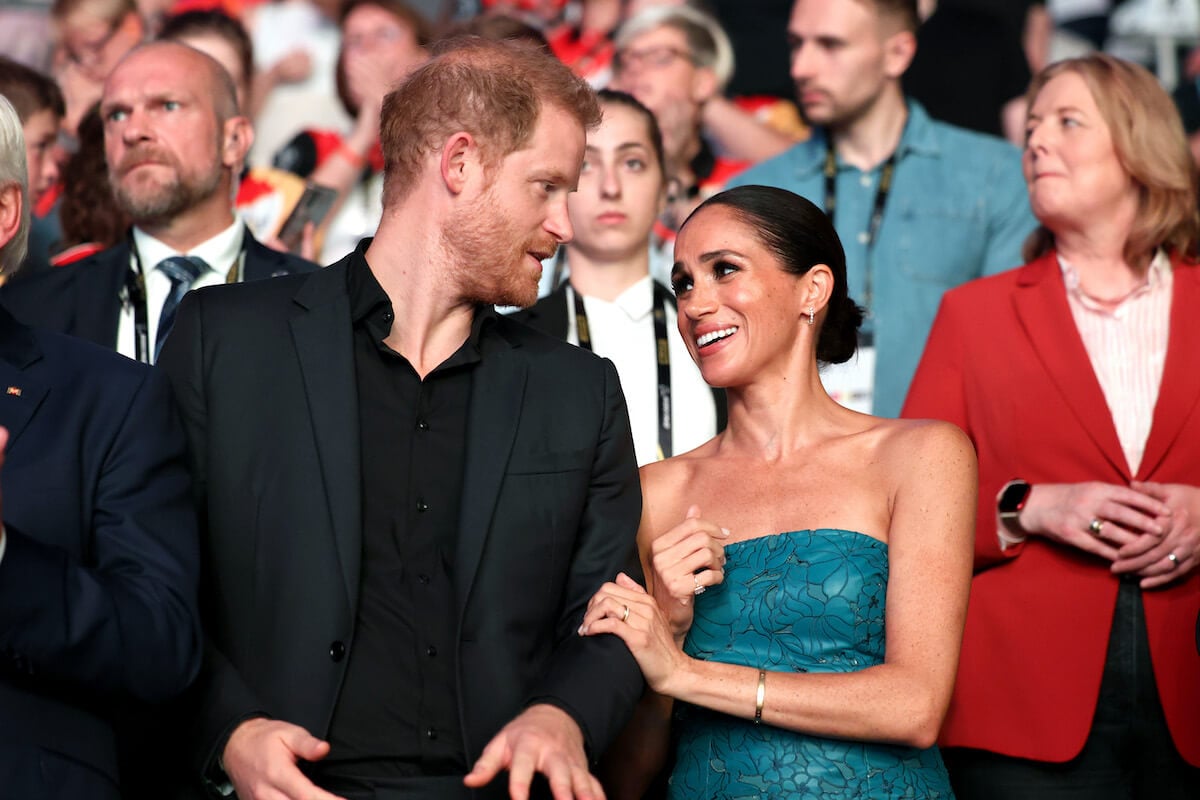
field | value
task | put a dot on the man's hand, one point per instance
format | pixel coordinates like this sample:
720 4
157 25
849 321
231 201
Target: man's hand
542 739
260 760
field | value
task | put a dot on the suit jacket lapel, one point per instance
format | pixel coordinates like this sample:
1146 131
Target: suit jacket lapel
497 392
22 392
323 336
1180 387
1041 306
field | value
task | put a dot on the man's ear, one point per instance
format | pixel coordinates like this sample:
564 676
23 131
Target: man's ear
238 137
11 202
898 52
460 157
10 212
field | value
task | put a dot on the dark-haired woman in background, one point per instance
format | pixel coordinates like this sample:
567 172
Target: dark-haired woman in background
792 531
1076 377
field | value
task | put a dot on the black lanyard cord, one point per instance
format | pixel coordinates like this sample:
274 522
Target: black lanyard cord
881 198
662 355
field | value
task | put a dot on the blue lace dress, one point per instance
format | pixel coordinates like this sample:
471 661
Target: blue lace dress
803 601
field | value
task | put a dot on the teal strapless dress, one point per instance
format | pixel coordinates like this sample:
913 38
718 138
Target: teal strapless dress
803 601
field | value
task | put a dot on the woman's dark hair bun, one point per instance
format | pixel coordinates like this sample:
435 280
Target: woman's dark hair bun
839 335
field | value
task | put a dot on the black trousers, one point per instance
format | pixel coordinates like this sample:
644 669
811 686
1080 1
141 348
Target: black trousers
1128 754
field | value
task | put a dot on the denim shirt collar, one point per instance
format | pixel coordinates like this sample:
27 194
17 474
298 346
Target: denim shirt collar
919 137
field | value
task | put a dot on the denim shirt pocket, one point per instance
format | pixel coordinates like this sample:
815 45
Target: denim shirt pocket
942 237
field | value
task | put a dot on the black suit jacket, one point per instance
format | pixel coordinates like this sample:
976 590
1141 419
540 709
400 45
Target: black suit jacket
98 581
84 299
550 316
264 374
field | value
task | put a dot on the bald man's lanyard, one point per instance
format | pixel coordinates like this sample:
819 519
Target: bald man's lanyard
135 288
662 353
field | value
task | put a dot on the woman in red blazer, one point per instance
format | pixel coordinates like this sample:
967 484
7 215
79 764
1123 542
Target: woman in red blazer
1076 376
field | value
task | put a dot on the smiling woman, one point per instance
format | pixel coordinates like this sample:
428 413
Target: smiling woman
807 569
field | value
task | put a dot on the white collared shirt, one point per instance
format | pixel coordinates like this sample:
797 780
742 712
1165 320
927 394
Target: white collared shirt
623 331
222 253
1128 348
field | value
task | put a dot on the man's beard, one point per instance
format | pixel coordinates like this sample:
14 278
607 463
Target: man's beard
492 266
150 203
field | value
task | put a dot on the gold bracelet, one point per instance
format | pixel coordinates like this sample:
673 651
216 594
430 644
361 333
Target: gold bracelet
762 695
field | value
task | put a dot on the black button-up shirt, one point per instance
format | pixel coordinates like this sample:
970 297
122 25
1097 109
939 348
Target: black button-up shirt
397 714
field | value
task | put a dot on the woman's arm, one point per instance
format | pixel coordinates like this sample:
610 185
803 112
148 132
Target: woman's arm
902 700
670 558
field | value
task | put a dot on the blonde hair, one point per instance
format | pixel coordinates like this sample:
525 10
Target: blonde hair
1151 146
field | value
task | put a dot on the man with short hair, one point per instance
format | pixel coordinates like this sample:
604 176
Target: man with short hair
920 206
98 553
175 143
410 499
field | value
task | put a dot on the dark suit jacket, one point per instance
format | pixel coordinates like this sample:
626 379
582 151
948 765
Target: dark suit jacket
550 316
1006 364
98 581
265 376
84 299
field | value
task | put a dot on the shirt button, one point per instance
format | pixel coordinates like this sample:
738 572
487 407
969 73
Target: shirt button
431 651
431 733
422 425
422 506
423 578
863 238
337 651
388 316
865 180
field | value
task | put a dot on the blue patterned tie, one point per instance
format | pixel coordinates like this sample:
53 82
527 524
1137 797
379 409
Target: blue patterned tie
183 271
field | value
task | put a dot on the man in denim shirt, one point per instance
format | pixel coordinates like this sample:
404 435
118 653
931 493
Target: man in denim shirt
920 206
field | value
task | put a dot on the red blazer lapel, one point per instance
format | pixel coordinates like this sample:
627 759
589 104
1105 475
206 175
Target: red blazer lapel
1040 302
1180 387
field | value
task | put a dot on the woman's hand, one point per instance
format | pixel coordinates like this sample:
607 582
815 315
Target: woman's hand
1065 512
625 609
1162 559
685 561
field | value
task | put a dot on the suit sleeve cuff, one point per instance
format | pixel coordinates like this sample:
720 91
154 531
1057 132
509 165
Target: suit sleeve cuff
559 703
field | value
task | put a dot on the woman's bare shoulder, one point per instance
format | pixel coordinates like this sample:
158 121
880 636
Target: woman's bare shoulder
922 453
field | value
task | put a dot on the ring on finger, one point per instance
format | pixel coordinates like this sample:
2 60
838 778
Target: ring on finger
1095 526
1174 559
697 587
625 616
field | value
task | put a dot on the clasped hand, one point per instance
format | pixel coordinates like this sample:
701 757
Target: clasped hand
1148 529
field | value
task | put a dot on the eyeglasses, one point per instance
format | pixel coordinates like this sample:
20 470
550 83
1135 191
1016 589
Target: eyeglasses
89 54
380 37
656 57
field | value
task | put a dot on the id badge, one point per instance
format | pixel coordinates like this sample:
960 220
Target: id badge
852 384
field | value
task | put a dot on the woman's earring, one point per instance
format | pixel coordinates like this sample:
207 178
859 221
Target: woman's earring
812 315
